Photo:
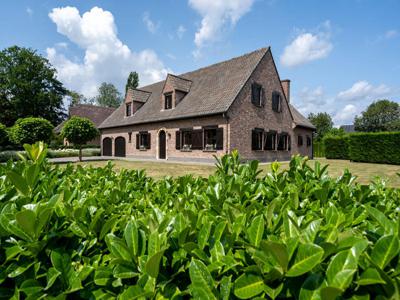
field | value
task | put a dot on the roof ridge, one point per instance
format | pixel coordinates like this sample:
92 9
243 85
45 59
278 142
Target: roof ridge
265 49
92 105
178 76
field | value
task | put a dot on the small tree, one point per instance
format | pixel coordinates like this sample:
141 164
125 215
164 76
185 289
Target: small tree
79 131
381 115
132 82
323 123
31 130
108 95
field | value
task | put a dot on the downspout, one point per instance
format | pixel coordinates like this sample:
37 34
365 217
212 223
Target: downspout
226 117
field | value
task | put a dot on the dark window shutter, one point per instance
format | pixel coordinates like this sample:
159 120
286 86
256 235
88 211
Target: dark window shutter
197 139
178 140
253 140
148 141
262 97
289 142
220 138
137 140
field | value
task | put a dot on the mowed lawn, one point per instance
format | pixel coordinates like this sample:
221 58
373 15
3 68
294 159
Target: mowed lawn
364 171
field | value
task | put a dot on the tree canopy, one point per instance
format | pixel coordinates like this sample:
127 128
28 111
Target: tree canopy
323 122
381 115
132 82
31 130
79 131
29 87
108 95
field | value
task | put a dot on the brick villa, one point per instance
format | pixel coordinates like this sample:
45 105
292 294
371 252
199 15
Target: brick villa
238 104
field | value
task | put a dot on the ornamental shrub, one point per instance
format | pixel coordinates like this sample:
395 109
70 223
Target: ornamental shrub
337 147
97 233
379 147
31 130
79 131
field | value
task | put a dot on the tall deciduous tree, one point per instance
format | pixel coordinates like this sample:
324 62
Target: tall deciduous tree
132 82
29 87
108 95
79 131
382 115
323 123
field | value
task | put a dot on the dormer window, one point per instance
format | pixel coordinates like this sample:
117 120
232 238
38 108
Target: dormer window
168 101
256 94
128 109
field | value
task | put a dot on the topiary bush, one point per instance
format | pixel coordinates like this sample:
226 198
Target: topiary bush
79 131
379 147
337 147
31 130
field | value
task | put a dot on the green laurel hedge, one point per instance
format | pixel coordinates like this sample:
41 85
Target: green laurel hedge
337 147
379 147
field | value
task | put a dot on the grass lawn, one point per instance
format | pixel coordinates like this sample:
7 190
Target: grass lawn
364 171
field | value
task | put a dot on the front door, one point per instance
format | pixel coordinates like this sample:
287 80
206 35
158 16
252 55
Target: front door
119 149
162 145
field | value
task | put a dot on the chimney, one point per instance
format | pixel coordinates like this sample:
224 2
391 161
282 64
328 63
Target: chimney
286 88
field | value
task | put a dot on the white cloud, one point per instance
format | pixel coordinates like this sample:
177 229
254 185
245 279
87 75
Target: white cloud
346 115
308 46
150 24
363 90
29 11
390 34
180 31
216 15
106 57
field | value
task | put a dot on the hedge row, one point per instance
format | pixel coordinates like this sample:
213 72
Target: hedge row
13 155
337 147
380 147
377 147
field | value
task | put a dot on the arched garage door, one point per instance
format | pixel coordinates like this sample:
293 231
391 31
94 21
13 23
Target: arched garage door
119 146
107 146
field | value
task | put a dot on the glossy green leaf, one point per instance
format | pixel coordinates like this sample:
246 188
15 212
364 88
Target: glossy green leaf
117 247
256 230
370 276
202 283
311 288
26 219
385 249
341 269
248 286
131 236
278 251
153 264
307 257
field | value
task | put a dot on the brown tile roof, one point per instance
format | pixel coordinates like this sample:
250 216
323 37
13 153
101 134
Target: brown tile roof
299 119
137 95
97 114
212 91
179 83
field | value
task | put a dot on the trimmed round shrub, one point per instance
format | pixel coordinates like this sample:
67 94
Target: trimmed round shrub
3 135
79 131
31 130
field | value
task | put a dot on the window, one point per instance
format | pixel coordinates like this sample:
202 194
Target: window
308 141
184 139
257 139
283 141
270 140
168 101
276 102
143 139
300 140
256 94
129 137
128 109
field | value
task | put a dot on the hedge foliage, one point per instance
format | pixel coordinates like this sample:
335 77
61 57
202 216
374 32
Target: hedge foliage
94 233
380 147
31 130
13 155
336 147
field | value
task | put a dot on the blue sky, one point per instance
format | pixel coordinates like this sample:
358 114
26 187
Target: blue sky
340 55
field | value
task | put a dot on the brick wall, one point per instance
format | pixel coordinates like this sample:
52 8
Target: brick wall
245 116
170 128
